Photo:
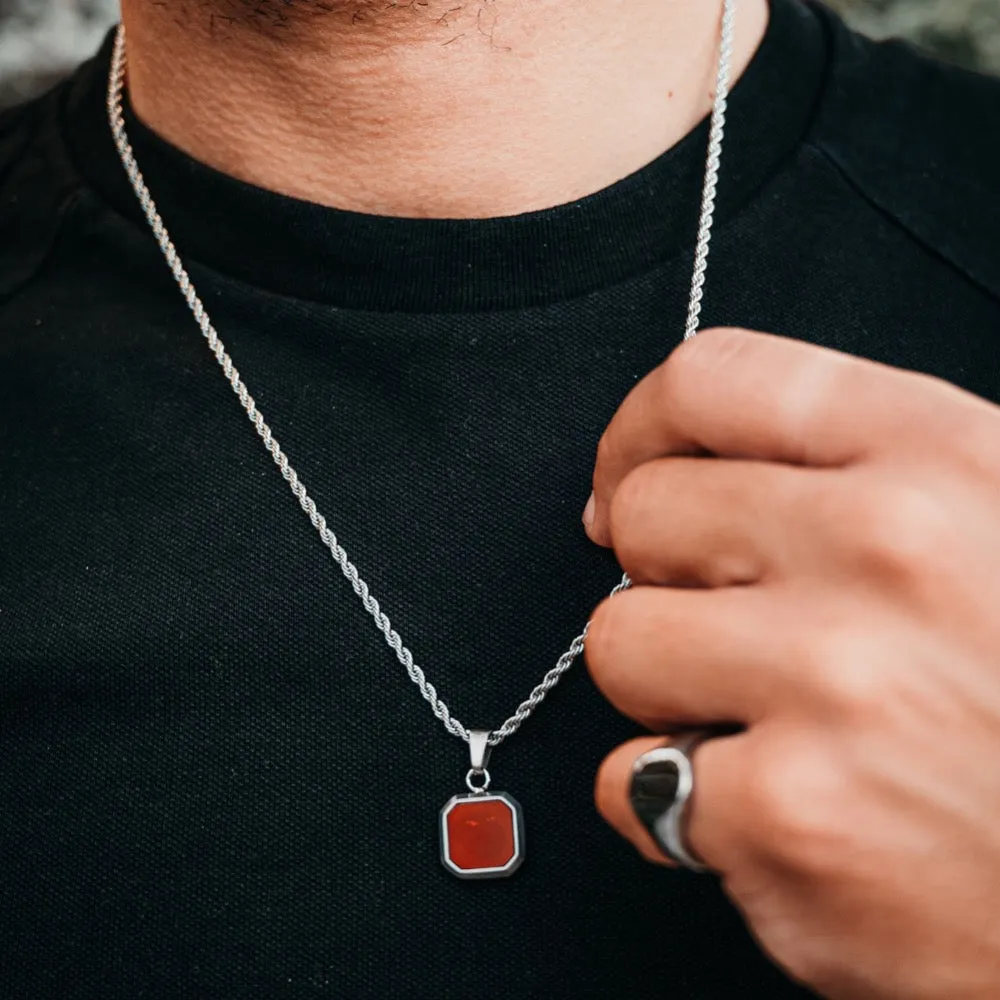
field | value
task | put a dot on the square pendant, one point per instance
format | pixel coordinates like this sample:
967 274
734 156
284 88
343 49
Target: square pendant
482 835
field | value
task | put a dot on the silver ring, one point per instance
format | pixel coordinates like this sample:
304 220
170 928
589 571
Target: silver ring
662 784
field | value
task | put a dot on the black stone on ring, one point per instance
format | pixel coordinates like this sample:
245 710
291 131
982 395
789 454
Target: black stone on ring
662 783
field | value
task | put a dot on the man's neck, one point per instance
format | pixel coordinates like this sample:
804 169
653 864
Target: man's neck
443 108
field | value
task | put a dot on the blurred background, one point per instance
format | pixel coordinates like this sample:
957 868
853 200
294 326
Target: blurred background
41 39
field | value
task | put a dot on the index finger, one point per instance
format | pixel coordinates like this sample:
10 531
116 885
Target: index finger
739 394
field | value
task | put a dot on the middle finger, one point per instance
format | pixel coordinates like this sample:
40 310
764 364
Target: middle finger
711 522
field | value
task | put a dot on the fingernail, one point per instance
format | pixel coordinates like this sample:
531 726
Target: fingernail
588 513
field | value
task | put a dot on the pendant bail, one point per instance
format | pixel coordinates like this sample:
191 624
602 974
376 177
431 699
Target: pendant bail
479 749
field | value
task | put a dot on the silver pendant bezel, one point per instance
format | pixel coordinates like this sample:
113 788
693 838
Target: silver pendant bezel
475 873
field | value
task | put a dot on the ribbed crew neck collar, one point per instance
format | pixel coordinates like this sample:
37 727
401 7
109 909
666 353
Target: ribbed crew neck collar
361 261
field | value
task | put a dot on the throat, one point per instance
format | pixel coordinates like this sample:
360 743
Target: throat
435 109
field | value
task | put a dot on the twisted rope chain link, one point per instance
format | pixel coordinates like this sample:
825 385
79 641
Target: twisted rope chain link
116 87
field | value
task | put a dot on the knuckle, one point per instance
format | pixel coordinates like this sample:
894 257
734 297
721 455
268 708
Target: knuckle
793 800
709 351
810 959
602 637
605 450
628 506
902 534
697 358
775 794
605 798
850 674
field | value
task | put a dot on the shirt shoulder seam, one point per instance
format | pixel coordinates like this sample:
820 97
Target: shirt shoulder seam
21 212
884 209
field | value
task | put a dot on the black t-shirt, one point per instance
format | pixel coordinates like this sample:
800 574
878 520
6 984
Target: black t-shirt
216 780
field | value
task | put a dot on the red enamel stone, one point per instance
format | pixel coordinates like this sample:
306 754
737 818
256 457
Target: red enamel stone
481 835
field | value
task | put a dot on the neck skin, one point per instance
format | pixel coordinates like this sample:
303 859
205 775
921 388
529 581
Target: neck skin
436 109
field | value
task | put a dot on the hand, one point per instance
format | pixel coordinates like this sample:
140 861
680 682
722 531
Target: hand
815 546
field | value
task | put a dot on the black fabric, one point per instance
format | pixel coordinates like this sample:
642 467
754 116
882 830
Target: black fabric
215 779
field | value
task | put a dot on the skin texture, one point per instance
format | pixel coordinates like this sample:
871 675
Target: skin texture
436 108
814 541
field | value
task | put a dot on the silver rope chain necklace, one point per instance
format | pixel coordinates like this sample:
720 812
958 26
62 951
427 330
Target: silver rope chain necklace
482 832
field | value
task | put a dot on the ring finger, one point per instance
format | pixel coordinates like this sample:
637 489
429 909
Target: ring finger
709 828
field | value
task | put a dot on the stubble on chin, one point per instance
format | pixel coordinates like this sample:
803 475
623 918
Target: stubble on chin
287 15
